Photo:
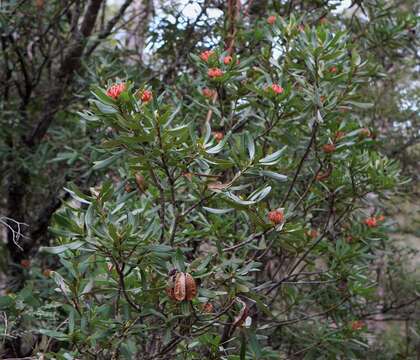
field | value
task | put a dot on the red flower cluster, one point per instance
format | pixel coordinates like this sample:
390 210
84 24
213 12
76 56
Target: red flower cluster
271 19
146 96
214 73
115 90
205 55
373 221
277 88
333 70
276 216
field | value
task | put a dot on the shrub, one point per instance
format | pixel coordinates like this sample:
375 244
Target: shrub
234 225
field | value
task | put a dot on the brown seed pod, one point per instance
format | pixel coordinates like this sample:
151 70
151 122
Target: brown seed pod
190 287
180 287
141 183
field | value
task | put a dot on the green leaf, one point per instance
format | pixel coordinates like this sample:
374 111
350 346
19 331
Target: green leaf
217 211
54 334
273 175
5 302
251 146
106 162
273 158
360 105
179 260
260 194
60 249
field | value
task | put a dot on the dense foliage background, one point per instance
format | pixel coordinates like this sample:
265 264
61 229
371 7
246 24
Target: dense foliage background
209 179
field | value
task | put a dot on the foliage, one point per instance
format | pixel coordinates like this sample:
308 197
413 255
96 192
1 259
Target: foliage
257 168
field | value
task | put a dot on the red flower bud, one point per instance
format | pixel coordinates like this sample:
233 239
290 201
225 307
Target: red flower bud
205 55
277 88
276 216
115 90
333 70
227 60
371 222
271 19
146 96
214 73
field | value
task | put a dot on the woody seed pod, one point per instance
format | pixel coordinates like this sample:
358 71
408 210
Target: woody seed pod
181 286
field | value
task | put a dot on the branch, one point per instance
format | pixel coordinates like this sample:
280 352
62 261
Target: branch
16 232
305 155
109 27
69 65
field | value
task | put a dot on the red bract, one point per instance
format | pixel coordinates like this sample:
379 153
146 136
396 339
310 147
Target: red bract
271 19
205 55
146 96
115 90
371 222
214 73
276 216
227 60
208 93
333 70
328 148
277 88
